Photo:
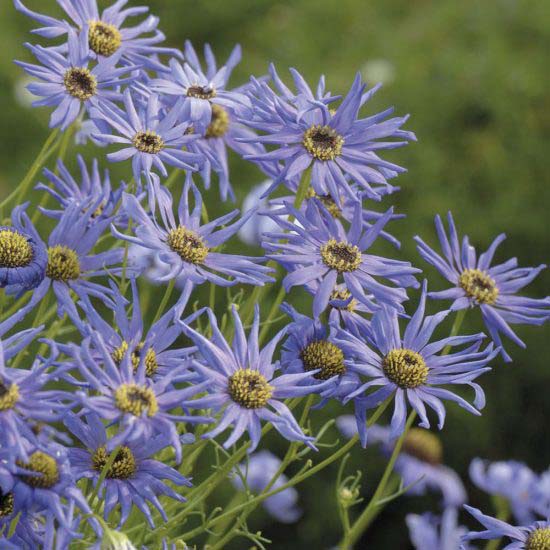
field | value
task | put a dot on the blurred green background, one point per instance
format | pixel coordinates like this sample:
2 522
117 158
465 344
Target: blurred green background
474 76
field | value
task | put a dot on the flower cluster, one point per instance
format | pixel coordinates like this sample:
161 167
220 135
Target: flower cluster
140 377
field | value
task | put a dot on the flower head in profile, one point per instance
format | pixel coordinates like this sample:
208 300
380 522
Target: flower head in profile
105 32
316 247
89 188
70 82
134 477
242 383
532 536
335 143
412 369
151 137
187 247
256 473
492 288
438 533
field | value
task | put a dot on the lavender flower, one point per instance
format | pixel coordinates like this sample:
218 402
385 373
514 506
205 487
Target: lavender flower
410 369
334 144
186 247
436 533
241 383
492 288
317 248
134 477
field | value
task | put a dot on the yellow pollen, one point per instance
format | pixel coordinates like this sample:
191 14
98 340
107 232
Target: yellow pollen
479 285
188 245
405 368
15 250
323 355
63 263
123 467
6 504
201 92
424 445
327 201
219 122
9 395
322 142
342 256
343 295
80 83
103 38
43 464
134 399
539 539
151 364
249 389
148 142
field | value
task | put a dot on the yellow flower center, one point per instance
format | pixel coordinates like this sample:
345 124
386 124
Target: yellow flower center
343 295
148 142
9 395
123 467
479 285
424 445
342 256
201 92
539 539
103 38
151 365
249 389
6 504
322 142
80 83
63 263
187 244
15 250
405 368
323 355
43 464
219 122
327 201
134 399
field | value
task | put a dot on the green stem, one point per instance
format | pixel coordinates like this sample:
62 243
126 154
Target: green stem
164 301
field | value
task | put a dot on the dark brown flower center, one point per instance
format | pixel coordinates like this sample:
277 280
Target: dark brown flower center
323 142
6 504
80 83
148 142
342 256
123 467
201 92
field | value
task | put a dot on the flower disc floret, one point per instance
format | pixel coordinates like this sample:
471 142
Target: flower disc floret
9 395
42 464
342 256
188 245
6 504
151 364
201 92
123 467
424 445
479 285
80 83
103 38
249 389
148 142
539 539
15 250
405 368
63 263
323 142
135 399
219 123
325 356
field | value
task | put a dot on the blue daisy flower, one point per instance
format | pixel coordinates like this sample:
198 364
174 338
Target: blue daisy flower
138 404
257 472
90 188
493 288
69 82
410 367
436 533
186 247
316 247
105 33
151 137
134 478
533 536
335 144
241 383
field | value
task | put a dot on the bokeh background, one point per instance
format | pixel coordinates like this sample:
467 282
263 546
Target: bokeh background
474 76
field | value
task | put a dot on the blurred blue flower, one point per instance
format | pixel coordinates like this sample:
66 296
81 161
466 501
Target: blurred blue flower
492 288
429 532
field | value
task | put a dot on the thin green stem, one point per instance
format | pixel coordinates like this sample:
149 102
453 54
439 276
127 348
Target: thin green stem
164 301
